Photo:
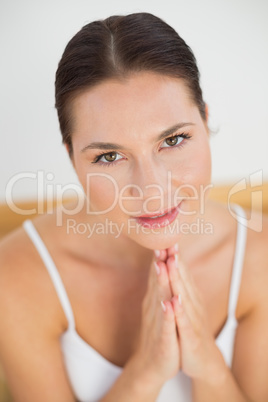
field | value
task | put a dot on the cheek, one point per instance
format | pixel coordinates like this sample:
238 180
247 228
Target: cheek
194 176
198 166
202 164
101 191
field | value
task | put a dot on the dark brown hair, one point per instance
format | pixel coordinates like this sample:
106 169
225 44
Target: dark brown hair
116 47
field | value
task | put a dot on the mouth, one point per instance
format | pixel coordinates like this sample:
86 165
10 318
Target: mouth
160 219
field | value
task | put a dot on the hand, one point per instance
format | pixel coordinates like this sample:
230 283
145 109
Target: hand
199 353
157 352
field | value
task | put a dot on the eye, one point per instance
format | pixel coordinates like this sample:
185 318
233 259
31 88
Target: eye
171 141
174 140
111 158
107 158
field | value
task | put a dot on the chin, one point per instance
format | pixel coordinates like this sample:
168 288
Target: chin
156 241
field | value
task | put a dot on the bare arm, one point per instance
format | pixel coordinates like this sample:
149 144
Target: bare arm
32 321
29 346
246 381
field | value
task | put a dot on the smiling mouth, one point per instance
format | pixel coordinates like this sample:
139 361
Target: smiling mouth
157 214
158 220
155 217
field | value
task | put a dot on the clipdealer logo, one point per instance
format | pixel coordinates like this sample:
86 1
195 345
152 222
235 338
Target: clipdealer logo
255 221
47 192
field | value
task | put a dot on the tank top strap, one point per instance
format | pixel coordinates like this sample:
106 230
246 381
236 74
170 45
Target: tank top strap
241 238
52 270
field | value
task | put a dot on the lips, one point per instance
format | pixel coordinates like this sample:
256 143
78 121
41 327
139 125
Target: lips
158 220
156 214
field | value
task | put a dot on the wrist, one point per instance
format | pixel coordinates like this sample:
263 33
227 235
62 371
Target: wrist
216 371
143 381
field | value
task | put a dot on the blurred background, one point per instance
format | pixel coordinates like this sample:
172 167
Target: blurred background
229 39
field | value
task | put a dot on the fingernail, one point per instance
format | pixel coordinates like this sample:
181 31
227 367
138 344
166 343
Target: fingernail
179 299
157 253
157 268
163 306
176 247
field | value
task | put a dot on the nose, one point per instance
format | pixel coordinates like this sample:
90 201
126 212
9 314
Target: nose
150 186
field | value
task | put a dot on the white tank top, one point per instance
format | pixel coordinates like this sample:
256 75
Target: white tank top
90 374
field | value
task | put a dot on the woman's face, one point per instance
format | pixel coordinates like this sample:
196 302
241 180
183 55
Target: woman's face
156 155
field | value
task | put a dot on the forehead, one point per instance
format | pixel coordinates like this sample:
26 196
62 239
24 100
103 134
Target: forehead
141 101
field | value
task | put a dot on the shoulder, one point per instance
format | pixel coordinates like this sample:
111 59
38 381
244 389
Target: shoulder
31 323
255 270
257 244
26 291
254 279
251 345
257 236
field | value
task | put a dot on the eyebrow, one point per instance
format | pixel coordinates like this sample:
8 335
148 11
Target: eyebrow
110 145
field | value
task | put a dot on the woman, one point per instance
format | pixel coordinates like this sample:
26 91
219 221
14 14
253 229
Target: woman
138 305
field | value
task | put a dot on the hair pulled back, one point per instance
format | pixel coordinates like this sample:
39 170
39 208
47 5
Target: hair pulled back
116 47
